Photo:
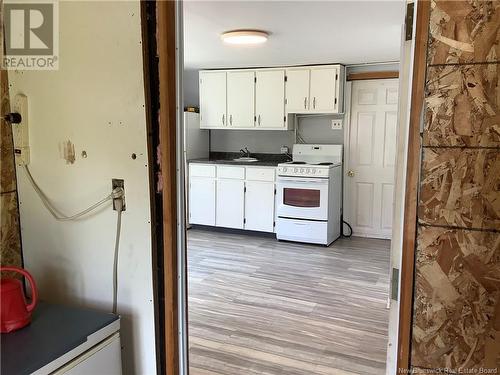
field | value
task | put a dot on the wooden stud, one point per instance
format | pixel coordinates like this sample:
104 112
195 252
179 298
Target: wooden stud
165 34
412 178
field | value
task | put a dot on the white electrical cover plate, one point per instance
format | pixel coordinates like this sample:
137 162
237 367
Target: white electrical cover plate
20 131
337 124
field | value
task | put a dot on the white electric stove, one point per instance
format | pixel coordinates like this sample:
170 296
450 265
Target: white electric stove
309 195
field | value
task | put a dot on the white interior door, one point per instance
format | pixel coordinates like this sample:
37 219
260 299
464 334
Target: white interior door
297 90
270 99
241 99
230 203
369 172
212 99
323 89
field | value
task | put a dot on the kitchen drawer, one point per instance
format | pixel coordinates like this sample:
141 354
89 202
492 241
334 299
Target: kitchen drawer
237 173
302 230
260 174
201 170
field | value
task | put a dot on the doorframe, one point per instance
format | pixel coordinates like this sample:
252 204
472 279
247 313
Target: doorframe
421 33
171 296
171 291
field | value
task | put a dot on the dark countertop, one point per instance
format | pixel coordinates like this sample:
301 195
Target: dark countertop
54 331
232 162
264 160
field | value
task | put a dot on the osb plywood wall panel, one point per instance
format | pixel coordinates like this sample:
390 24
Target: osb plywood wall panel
456 315
457 311
459 187
463 105
464 31
10 241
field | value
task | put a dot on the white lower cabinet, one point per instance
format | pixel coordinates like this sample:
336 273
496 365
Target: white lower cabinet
230 203
259 206
232 196
202 200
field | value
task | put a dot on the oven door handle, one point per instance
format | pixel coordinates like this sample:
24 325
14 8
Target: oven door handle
303 182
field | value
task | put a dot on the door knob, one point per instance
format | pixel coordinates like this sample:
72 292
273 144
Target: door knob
350 173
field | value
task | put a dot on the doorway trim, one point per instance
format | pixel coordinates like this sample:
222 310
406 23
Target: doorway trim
411 187
172 246
168 180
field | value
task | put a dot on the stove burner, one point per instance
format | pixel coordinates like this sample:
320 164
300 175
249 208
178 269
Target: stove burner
325 163
298 162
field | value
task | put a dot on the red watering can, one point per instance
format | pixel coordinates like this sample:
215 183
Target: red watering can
15 313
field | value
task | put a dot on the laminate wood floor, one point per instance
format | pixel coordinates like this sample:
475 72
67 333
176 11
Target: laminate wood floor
260 306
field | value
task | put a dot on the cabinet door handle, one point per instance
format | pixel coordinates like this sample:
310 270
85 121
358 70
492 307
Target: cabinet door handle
305 102
259 120
230 119
314 103
223 119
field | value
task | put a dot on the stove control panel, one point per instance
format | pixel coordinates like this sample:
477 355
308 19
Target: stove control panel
302 171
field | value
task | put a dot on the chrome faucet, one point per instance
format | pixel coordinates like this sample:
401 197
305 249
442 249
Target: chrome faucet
245 152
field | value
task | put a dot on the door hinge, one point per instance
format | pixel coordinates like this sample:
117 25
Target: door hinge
274 191
286 78
284 118
336 77
409 21
255 79
244 221
254 118
286 101
245 189
274 223
395 284
335 102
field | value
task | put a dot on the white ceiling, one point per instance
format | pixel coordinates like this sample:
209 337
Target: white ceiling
302 32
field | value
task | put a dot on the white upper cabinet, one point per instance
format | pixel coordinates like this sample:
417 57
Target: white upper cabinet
213 99
262 98
241 99
324 93
270 99
297 90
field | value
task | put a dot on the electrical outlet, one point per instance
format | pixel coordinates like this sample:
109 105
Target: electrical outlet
284 149
337 124
116 183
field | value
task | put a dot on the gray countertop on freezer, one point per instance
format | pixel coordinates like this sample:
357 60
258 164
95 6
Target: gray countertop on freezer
54 331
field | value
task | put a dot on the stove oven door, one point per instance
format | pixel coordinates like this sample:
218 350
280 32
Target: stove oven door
302 198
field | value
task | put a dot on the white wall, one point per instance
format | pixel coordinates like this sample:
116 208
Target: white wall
261 141
95 100
312 129
190 81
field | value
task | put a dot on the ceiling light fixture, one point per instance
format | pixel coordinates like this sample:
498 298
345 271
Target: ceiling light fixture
244 37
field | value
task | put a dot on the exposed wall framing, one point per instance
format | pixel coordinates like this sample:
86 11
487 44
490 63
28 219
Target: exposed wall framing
10 236
412 177
158 19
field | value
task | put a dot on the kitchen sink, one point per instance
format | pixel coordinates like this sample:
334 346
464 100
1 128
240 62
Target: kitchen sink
245 159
